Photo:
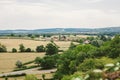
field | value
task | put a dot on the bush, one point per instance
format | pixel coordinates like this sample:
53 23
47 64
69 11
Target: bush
28 50
38 60
22 48
14 50
94 76
90 64
19 64
3 48
47 62
40 48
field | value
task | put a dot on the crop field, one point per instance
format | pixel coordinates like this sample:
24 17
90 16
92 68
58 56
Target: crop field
14 43
8 60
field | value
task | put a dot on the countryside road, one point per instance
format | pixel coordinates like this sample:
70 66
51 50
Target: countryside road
29 71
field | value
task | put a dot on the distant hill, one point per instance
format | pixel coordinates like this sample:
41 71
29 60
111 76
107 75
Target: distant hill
65 30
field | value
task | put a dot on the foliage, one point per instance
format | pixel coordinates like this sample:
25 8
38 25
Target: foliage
97 43
85 48
21 48
14 50
19 64
3 48
90 64
75 76
48 62
94 75
40 48
38 60
115 47
28 50
30 77
51 49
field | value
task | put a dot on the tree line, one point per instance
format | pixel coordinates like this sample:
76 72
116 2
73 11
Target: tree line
48 48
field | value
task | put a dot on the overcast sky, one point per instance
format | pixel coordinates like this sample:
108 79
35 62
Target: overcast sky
37 14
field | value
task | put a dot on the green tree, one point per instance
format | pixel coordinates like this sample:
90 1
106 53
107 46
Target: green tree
28 50
38 60
19 64
21 48
48 62
97 43
40 48
115 47
3 48
51 49
29 35
14 50
12 35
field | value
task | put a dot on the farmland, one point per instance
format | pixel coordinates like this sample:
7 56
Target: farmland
14 43
7 60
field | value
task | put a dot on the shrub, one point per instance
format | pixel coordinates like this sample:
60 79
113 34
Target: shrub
47 62
90 64
3 48
28 50
40 48
14 50
38 60
19 64
22 48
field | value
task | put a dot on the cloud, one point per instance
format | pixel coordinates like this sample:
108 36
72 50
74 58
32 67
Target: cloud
30 14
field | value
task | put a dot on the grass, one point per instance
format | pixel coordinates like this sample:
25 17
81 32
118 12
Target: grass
8 60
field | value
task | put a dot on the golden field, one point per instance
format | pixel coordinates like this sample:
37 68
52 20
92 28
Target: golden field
8 60
14 43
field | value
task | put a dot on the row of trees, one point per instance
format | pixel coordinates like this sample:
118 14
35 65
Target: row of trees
51 48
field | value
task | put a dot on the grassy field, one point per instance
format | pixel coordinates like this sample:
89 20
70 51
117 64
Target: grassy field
8 60
14 43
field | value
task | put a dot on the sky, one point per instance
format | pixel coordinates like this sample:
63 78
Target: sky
40 14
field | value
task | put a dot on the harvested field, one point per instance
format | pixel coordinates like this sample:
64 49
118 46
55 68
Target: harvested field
8 60
14 43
